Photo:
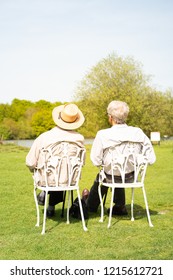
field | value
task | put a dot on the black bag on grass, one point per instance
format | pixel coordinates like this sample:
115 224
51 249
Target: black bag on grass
75 209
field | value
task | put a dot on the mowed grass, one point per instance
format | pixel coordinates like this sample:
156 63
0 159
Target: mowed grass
125 240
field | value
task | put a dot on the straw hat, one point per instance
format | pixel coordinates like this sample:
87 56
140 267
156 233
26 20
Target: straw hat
68 116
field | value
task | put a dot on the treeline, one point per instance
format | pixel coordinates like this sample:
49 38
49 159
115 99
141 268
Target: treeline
25 119
113 78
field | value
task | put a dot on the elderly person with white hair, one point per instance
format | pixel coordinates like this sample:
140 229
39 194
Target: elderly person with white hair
118 133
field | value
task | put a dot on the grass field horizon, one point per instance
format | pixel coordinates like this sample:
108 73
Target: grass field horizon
125 240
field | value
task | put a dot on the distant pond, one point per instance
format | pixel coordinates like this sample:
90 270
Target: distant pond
28 143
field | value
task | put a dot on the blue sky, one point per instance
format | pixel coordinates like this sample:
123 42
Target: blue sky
48 46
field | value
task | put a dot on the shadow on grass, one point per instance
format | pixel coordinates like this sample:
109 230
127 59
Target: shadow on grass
58 219
139 213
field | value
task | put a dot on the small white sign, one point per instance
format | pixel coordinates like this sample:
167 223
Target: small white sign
155 136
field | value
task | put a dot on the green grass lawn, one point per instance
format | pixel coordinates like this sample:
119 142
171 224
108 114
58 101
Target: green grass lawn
125 240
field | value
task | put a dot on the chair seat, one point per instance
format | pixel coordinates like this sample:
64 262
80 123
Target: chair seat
55 189
123 185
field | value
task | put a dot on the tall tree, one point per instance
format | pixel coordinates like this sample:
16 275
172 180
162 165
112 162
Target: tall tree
117 78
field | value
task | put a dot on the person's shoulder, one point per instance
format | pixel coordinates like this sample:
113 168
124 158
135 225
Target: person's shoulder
137 132
45 133
103 131
135 128
75 134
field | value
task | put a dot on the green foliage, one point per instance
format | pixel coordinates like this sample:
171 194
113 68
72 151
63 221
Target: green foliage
125 240
115 78
9 129
18 108
42 104
24 119
4 132
4 111
42 121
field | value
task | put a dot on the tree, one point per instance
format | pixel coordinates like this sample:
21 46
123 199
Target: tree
42 117
9 129
4 111
42 121
116 78
18 108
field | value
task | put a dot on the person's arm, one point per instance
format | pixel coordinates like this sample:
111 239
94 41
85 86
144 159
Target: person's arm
149 150
97 151
32 156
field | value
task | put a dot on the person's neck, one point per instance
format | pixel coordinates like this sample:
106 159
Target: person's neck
114 123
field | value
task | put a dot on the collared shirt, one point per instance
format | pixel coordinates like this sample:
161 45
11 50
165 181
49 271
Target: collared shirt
116 135
47 138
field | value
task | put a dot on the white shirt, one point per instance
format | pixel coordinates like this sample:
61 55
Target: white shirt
115 136
54 135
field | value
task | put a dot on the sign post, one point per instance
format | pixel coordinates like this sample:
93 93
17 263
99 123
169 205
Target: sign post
155 137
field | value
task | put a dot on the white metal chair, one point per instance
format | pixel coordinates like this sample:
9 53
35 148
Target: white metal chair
126 158
62 165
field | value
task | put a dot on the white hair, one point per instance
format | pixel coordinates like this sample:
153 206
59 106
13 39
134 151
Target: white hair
118 110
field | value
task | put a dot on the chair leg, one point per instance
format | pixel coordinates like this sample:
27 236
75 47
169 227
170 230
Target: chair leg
101 203
147 209
71 197
81 211
44 215
111 207
105 196
132 204
37 208
68 207
63 204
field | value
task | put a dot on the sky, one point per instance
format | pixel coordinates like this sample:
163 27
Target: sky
48 46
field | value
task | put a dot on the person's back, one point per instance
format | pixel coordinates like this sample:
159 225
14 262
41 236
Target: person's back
55 158
114 136
67 119
119 133
48 138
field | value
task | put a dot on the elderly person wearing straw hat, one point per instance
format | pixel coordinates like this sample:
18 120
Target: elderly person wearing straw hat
67 118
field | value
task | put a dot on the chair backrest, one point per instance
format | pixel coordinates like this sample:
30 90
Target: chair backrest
126 158
60 164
